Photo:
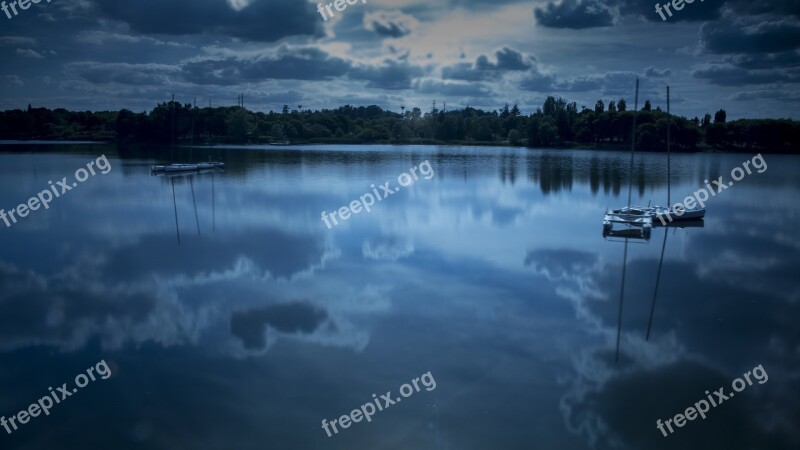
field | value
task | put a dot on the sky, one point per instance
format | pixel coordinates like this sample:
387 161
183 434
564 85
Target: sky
739 55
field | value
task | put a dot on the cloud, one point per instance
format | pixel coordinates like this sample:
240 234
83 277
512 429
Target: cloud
724 74
391 24
391 74
749 36
13 80
507 60
28 53
766 94
574 14
610 83
450 88
287 63
765 61
560 264
698 11
261 21
124 73
655 72
290 318
99 37
12 41
389 248
239 5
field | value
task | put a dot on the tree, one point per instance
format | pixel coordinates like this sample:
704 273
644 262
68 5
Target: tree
277 131
239 125
647 106
720 116
504 112
285 109
515 111
706 120
599 107
621 105
612 107
549 107
647 137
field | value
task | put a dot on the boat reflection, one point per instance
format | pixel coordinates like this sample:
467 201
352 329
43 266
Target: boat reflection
642 235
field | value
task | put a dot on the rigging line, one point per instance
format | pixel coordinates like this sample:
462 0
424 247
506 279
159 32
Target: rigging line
633 142
196 219
175 207
621 296
658 279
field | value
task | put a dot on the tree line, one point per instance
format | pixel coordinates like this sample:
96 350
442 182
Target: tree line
557 123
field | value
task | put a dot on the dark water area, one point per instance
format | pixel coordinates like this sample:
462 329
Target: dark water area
231 317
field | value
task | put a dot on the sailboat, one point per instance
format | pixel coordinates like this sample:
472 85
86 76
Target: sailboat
659 214
174 168
640 221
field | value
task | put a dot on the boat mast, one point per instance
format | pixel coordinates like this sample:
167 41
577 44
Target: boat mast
172 129
196 219
669 184
633 143
175 207
658 280
621 299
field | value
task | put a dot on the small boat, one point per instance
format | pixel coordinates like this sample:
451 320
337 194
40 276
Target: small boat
634 215
662 215
280 143
640 225
161 173
187 167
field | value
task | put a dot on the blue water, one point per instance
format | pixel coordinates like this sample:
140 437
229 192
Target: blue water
246 322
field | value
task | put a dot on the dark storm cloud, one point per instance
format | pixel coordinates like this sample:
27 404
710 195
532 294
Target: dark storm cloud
507 59
463 71
263 20
738 35
758 50
123 73
306 63
698 11
393 24
729 75
391 75
777 7
536 81
575 14
288 63
298 317
389 29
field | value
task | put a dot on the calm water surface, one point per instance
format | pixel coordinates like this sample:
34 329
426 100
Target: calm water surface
231 317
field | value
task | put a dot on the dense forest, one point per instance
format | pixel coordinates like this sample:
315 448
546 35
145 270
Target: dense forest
556 124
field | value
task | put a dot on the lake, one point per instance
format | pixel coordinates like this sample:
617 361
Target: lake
224 314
